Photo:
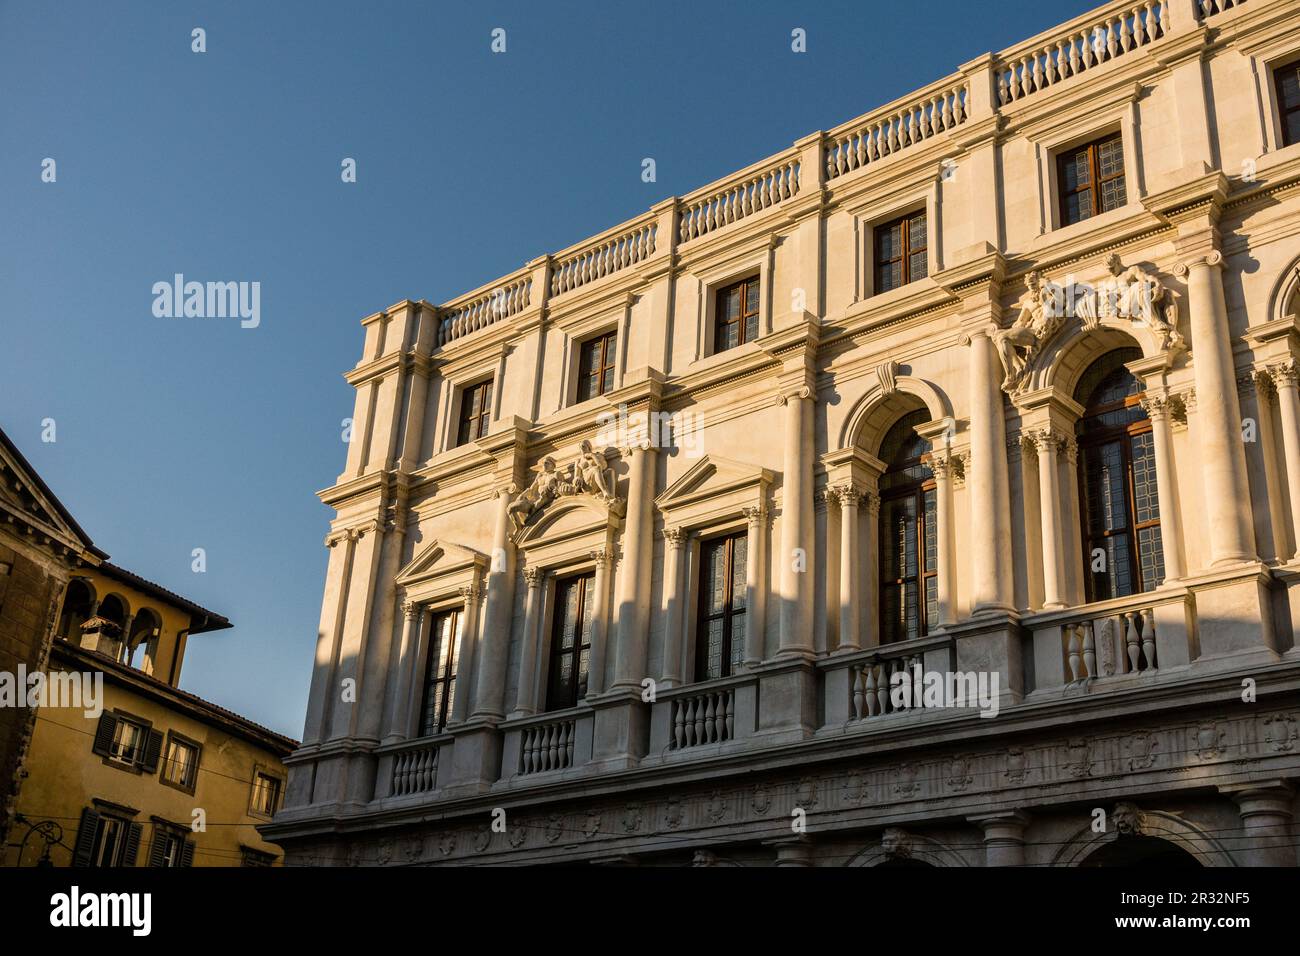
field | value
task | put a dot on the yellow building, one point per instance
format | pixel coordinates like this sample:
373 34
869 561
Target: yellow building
123 767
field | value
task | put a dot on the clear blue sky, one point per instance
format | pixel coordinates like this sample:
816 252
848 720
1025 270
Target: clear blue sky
182 433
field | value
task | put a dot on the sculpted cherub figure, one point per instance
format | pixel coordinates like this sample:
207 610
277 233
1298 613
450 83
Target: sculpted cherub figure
543 490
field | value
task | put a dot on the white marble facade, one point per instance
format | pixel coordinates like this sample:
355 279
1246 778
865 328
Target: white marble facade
1131 601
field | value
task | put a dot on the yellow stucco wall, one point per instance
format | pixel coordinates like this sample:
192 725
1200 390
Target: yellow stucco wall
65 775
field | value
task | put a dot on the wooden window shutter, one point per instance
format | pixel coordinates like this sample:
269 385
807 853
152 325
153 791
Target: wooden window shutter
104 734
158 848
152 750
132 847
187 853
85 836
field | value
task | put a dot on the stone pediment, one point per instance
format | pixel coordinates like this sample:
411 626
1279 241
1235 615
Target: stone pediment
712 477
587 483
24 495
437 559
570 516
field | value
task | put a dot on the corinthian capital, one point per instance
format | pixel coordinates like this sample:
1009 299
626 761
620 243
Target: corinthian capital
845 495
1285 374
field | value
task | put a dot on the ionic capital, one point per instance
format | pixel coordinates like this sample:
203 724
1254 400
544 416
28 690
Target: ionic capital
1213 259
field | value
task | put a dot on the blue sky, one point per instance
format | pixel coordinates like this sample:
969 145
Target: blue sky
174 434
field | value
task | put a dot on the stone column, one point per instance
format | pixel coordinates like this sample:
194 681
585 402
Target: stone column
398 719
1171 519
850 570
795 632
599 637
674 594
942 466
1004 837
755 585
469 619
988 483
869 616
634 571
498 614
1049 498
1284 376
526 695
1265 809
793 852
1223 459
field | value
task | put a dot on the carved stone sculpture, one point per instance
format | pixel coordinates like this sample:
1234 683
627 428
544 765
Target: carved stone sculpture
544 489
590 475
1037 320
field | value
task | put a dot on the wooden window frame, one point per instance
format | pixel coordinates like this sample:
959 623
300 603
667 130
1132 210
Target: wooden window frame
1095 179
471 427
1283 111
606 345
164 833
145 760
916 489
905 223
448 677
1123 435
581 642
721 322
87 848
253 811
728 613
164 763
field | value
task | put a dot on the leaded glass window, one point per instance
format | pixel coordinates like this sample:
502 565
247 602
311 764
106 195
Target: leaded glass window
909 548
1123 552
570 641
720 639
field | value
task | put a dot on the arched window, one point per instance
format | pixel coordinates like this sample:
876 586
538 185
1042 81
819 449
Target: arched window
1117 481
77 604
908 540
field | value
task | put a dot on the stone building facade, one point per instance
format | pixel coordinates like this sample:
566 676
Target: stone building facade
635 546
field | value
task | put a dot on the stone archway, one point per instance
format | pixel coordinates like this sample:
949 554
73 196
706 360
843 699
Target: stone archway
1130 830
900 848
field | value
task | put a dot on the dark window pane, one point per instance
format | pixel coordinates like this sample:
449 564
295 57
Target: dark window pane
916 265
1110 158
1112 194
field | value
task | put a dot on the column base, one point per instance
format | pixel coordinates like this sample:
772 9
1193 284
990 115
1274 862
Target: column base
475 762
787 688
620 735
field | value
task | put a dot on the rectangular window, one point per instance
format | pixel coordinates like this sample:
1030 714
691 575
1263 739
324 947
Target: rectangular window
475 412
1287 80
901 249
440 672
570 641
128 742
250 857
181 764
170 848
266 793
1091 179
720 638
736 315
596 367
